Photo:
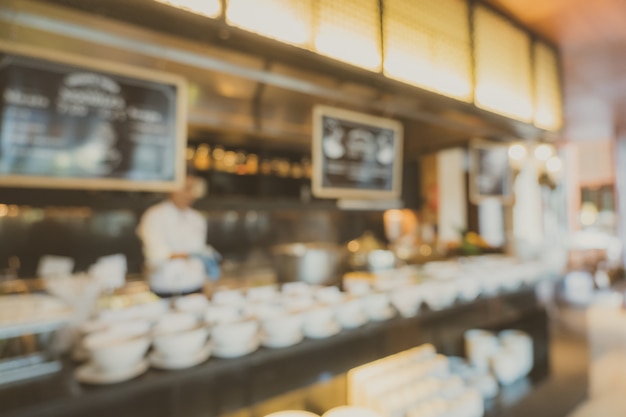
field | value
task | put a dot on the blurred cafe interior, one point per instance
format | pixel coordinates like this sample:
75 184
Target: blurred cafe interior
312 208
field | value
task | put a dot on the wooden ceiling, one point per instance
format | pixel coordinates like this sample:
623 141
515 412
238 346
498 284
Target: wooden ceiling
592 38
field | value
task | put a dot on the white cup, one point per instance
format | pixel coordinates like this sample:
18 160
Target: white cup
229 297
262 294
507 367
480 347
318 318
376 305
521 344
175 322
113 352
282 327
219 314
350 314
235 334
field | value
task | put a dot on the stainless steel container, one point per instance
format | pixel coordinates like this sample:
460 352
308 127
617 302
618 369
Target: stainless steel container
313 263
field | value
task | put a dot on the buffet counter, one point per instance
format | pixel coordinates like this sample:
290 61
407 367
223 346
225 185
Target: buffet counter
222 386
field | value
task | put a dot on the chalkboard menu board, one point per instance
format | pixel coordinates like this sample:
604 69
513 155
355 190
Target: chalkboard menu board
356 156
69 122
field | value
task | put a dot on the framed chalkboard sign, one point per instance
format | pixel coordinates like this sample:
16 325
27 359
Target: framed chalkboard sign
491 176
69 122
355 155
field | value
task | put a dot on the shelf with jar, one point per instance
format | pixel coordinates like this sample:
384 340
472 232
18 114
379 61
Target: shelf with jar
233 171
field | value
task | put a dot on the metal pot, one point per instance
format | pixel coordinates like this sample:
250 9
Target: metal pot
313 263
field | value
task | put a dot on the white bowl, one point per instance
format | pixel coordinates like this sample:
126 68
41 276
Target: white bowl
298 303
193 303
329 295
181 344
175 322
112 352
297 288
153 310
262 311
262 294
233 334
480 347
131 328
407 300
229 297
357 287
350 314
319 317
219 314
282 327
111 315
376 304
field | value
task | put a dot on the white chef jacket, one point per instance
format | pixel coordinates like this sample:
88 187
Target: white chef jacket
164 230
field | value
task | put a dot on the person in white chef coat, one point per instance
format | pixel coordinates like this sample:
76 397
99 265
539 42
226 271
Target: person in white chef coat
174 244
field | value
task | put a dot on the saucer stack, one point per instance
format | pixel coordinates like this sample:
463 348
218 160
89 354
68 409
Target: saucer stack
377 306
281 331
179 342
235 339
509 355
320 323
116 355
350 314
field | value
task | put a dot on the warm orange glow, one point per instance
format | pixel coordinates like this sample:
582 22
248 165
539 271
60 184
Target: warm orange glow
209 8
423 50
503 68
289 21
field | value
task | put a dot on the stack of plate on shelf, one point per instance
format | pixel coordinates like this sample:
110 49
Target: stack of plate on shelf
508 356
180 342
235 339
417 382
116 354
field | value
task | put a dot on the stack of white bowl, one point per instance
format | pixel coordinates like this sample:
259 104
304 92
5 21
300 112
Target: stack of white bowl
320 322
350 314
115 354
509 355
235 339
407 300
180 341
281 330
378 307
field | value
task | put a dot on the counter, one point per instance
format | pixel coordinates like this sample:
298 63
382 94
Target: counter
222 386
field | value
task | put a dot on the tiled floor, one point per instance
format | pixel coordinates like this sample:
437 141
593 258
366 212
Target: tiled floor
606 336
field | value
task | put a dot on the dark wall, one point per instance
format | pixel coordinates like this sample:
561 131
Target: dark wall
87 225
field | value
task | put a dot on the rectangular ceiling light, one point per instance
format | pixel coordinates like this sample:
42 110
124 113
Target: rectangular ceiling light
427 43
208 8
349 31
289 21
502 66
548 104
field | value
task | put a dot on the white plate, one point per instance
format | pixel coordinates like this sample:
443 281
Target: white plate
159 362
90 374
332 329
229 352
281 343
386 314
355 323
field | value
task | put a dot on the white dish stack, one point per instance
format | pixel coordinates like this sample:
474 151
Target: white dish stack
508 355
417 382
